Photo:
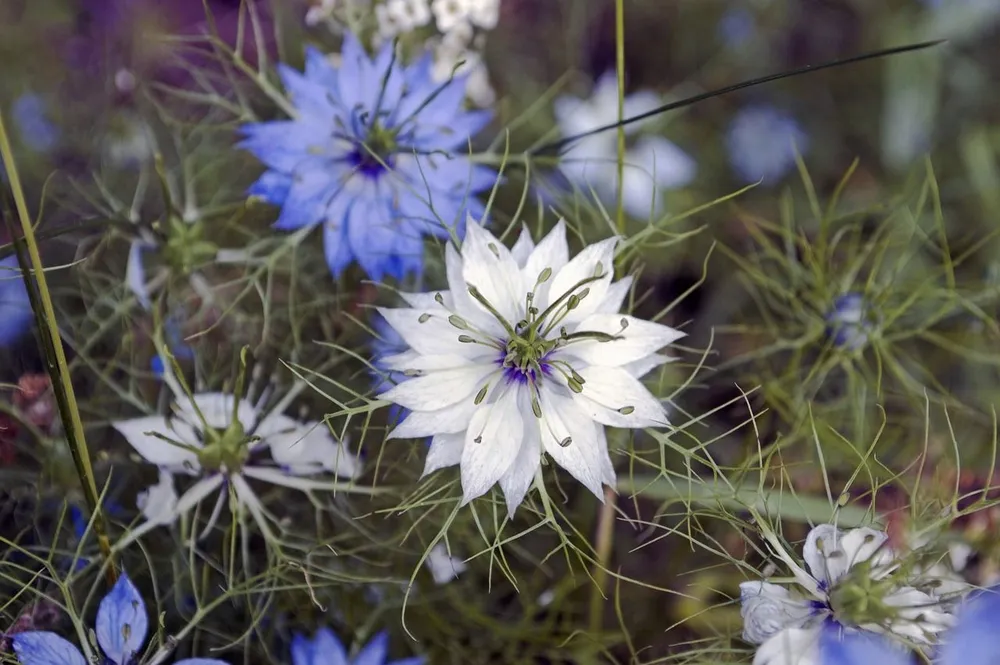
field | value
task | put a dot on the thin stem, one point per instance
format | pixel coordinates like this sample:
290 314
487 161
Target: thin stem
58 369
604 536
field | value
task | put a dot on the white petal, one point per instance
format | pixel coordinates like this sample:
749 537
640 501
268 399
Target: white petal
428 332
767 609
488 266
635 341
523 247
594 259
311 448
443 568
445 450
439 389
246 498
217 409
275 423
158 503
449 420
492 442
795 646
614 299
429 300
464 305
155 450
410 360
608 390
135 274
552 252
662 162
569 436
199 491
920 615
829 552
518 478
641 368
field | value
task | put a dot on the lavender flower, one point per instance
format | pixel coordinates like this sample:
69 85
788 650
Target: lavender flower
762 142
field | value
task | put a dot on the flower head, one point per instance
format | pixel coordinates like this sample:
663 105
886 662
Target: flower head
121 629
325 649
652 163
854 582
762 142
525 354
850 321
374 155
31 118
222 441
15 308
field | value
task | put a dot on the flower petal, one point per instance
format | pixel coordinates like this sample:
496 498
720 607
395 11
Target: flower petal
613 397
841 647
518 478
444 568
492 443
158 503
449 420
194 495
523 246
635 339
593 260
569 436
767 609
327 649
973 641
155 450
552 252
439 389
795 646
217 408
375 651
489 266
135 274
40 647
122 623
829 552
428 331
445 450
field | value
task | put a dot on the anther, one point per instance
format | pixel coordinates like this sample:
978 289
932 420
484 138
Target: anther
424 318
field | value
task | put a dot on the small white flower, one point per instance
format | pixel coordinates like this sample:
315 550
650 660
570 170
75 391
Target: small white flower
205 440
652 164
525 354
396 17
443 568
450 13
843 567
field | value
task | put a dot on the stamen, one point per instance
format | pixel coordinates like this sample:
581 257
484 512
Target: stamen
481 395
423 318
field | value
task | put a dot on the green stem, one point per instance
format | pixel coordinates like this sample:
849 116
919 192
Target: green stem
58 369
604 535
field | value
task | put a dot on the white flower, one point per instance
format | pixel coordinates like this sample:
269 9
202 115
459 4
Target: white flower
397 17
848 571
204 439
526 354
652 164
443 568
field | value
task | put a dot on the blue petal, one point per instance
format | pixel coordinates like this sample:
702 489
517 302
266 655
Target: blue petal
327 649
308 198
15 308
31 119
44 648
309 96
289 145
319 69
375 651
840 647
372 236
336 247
272 186
201 661
301 650
121 622
973 640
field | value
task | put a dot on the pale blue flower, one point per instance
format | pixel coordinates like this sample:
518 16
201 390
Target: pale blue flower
325 649
972 641
15 308
31 119
762 142
737 26
850 321
374 155
121 629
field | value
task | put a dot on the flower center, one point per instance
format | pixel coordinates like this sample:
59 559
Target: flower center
226 450
858 599
524 359
375 154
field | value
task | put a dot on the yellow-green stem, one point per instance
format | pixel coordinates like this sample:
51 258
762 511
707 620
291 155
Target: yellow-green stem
58 368
604 535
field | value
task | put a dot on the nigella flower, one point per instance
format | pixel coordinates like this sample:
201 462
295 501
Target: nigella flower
737 26
31 118
222 442
850 321
854 581
15 308
652 163
120 628
374 155
325 649
525 354
762 142
972 641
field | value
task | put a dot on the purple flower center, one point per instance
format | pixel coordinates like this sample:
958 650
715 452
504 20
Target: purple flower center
371 165
514 372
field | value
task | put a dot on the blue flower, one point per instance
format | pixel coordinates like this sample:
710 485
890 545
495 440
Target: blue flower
972 641
850 321
762 142
737 26
15 308
374 155
175 342
29 115
326 649
121 629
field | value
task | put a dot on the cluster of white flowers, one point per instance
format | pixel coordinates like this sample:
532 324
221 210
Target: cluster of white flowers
652 163
462 26
854 580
